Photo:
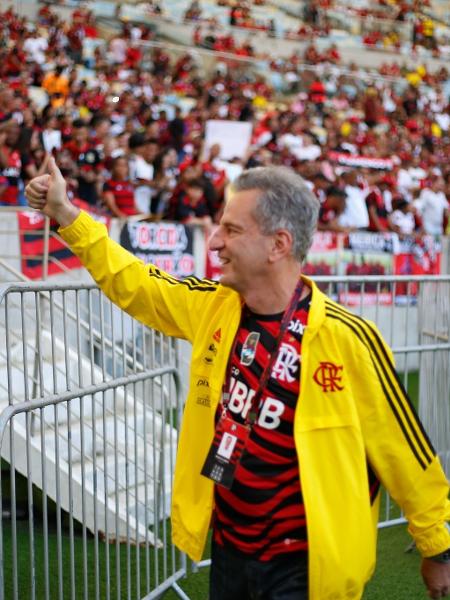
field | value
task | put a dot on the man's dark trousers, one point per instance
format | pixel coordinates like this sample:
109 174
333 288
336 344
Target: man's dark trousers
235 577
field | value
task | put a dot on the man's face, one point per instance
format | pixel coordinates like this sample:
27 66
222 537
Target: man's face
337 203
150 152
120 169
80 135
12 133
242 249
103 128
195 194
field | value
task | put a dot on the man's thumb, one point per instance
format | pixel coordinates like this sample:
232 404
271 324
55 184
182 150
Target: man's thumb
54 171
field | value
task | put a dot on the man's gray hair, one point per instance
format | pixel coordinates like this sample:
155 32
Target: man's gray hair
285 202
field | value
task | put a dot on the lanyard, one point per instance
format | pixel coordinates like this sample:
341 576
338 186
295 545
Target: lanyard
287 316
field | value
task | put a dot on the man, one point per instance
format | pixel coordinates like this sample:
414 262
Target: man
88 161
12 164
355 214
331 209
143 153
379 203
434 207
56 84
285 466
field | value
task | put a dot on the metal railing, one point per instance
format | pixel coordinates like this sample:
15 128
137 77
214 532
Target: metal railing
88 429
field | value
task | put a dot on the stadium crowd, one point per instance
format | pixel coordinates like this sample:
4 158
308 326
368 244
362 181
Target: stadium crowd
127 128
382 24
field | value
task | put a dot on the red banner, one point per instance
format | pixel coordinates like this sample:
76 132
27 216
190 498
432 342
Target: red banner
32 242
354 160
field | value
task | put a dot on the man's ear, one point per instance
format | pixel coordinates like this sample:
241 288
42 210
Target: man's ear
281 245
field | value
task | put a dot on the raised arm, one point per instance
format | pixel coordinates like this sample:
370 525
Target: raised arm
142 290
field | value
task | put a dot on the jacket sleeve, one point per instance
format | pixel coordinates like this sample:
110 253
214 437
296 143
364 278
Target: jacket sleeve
397 446
148 294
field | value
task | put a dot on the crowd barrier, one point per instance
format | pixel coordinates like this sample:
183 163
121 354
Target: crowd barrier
90 412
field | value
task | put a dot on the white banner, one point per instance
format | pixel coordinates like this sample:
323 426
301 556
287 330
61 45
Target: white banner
233 137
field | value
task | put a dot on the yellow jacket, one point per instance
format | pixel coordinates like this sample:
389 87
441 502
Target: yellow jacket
352 410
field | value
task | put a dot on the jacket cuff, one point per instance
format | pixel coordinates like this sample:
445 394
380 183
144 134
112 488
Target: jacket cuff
80 226
433 541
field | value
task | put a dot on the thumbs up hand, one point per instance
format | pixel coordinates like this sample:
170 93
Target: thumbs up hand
48 193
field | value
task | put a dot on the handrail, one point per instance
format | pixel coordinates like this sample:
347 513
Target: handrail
12 270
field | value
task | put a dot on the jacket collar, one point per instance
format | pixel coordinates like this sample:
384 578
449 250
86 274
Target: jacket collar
316 312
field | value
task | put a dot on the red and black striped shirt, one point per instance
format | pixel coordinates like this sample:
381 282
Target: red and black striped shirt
263 515
123 193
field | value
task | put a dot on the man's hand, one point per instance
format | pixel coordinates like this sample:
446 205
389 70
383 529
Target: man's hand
436 577
48 194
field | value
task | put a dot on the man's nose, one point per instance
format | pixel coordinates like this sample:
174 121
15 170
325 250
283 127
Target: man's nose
215 241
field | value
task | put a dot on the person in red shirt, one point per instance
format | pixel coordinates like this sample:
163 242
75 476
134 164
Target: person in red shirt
190 206
330 210
376 204
118 192
87 157
133 56
217 176
317 94
11 163
14 61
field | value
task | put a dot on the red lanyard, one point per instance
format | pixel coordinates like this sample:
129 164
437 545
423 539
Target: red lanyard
286 319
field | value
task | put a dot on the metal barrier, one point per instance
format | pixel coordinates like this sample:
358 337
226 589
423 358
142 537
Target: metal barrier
90 410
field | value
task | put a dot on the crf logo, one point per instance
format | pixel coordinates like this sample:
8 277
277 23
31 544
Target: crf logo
286 364
328 376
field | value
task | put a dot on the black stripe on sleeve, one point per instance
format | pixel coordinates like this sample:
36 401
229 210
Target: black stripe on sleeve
420 452
188 282
393 378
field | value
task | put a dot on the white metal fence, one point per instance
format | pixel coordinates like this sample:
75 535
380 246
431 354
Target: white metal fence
90 408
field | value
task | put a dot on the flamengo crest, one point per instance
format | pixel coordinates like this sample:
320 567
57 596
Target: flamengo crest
328 376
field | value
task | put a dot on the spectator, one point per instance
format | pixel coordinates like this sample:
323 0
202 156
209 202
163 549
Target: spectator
100 132
379 204
166 174
433 207
50 136
355 215
330 211
118 49
177 130
402 219
56 84
144 152
118 192
213 170
35 47
11 164
373 108
189 206
88 162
